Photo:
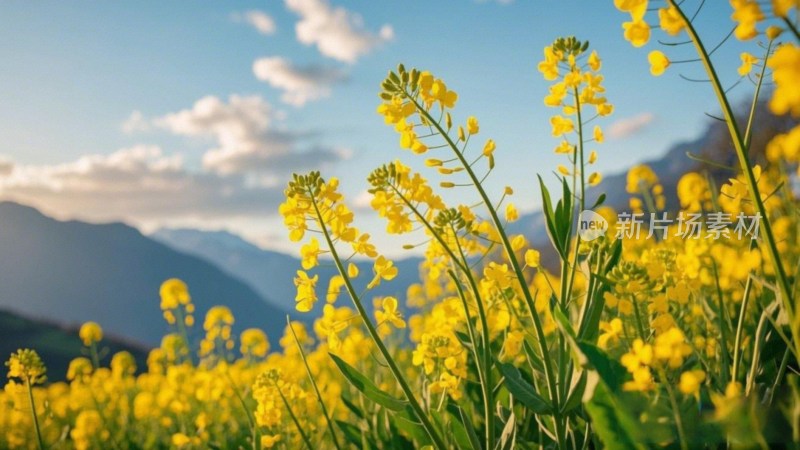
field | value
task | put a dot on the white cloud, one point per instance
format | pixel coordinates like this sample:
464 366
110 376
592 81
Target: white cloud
137 183
629 126
337 33
244 170
299 84
363 201
247 141
6 166
261 21
135 122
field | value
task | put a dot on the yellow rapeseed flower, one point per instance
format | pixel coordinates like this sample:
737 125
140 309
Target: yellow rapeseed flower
747 14
389 313
306 293
658 62
90 333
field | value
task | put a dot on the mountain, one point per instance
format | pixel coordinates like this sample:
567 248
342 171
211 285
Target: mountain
56 344
71 272
272 273
712 152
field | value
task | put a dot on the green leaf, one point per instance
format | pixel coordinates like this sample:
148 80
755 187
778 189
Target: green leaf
523 391
353 408
611 422
616 253
367 387
462 422
407 422
465 340
533 359
564 212
589 327
563 323
549 219
610 370
351 433
575 395
600 200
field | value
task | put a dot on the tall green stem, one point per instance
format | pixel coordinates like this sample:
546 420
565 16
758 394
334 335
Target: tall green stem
314 384
39 440
737 344
484 368
487 354
676 412
752 183
373 332
294 419
512 258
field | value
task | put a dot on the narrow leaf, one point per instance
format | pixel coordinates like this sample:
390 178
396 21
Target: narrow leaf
611 422
367 387
523 391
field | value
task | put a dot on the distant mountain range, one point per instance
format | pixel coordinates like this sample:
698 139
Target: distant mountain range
712 151
272 273
71 272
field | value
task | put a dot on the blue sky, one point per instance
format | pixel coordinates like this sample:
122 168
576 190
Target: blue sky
102 117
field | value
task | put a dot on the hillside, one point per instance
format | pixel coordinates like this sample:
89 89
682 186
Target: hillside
712 146
71 272
56 344
272 273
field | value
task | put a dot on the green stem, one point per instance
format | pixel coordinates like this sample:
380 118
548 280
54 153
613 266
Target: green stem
537 323
470 326
675 411
250 419
180 319
568 271
792 27
751 117
578 107
39 440
487 355
95 356
752 183
484 369
723 325
779 376
294 419
758 344
737 344
512 258
639 325
314 384
373 332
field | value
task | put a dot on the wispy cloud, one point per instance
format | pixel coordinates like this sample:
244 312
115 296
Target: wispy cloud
137 183
259 20
242 172
630 126
336 32
300 84
246 139
135 122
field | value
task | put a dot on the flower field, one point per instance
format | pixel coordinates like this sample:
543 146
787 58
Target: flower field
652 327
